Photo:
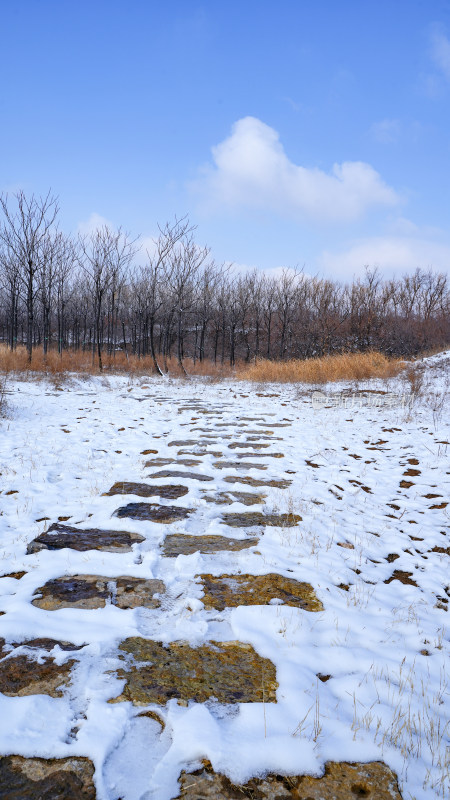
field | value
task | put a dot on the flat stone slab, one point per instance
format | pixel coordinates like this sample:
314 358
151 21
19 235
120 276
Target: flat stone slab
226 498
341 781
244 519
254 445
153 512
33 670
200 453
230 672
95 591
229 591
46 779
159 462
237 465
176 544
144 490
259 455
59 536
193 476
281 483
183 443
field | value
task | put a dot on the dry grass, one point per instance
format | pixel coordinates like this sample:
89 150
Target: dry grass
349 366
82 363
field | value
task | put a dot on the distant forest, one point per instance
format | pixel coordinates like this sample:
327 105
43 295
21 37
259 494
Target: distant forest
100 292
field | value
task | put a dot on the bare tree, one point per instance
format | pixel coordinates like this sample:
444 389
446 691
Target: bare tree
104 256
26 225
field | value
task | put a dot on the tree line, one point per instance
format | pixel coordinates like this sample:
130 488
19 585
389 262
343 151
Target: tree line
100 292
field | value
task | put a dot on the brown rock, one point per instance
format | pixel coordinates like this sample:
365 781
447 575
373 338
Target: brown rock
244 519
144 490
193 476
32 672
182 544
341 781
46 779
226 498
153 512
229 591
282 483
59 536
231 672
94 591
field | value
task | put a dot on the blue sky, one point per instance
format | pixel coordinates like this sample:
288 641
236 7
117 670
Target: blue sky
292 132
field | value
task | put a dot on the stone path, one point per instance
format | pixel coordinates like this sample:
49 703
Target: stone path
230 672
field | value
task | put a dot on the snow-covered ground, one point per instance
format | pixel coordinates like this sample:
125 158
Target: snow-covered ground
384 645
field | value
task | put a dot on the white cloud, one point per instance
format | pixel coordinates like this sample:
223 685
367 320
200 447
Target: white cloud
94 222
386 131
392 253
251 170
440 51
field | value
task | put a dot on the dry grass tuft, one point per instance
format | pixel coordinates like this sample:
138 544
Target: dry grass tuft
348 366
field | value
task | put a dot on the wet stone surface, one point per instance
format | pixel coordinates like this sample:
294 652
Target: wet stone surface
341 781
282 483
193 476
59 536
33 671
46 779
153 512
229 591
230 672
244 519
144 490
95 591
182 544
